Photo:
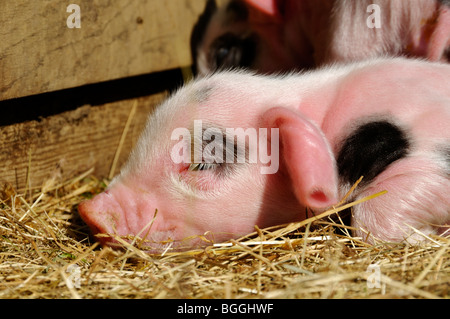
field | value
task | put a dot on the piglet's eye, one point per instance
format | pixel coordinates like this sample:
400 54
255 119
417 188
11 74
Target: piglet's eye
227 56
231 51
203 166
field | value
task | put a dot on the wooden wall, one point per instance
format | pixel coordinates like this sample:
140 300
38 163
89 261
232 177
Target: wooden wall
39 53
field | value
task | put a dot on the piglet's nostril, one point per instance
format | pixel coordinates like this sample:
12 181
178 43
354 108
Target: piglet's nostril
319 196
320 199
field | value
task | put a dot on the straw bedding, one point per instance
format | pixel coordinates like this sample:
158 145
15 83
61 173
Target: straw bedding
46 252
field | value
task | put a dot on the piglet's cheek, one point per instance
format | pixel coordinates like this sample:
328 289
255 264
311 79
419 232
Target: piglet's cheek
196 180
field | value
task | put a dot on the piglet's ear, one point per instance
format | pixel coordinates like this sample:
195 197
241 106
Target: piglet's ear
439 40
268 7
307 156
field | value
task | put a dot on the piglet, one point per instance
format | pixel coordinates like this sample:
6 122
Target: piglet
279 35
233 150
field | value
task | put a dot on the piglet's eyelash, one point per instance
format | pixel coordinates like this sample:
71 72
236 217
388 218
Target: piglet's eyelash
203 166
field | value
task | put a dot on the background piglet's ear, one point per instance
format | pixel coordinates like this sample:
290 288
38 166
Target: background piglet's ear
307 156
268 7
439 41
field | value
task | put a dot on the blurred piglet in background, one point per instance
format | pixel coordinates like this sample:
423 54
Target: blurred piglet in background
280 35
316 133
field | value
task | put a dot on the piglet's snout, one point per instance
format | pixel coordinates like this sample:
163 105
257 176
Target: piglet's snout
102 214
116 212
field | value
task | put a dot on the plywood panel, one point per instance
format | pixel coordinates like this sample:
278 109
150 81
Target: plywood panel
117 38
66 144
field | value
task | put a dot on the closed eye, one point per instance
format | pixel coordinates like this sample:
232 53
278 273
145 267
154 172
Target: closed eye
203 166
219 154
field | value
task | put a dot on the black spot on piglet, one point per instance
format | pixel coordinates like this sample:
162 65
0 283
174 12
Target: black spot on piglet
369 150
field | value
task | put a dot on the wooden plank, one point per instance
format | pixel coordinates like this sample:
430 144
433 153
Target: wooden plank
117 38
66 144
